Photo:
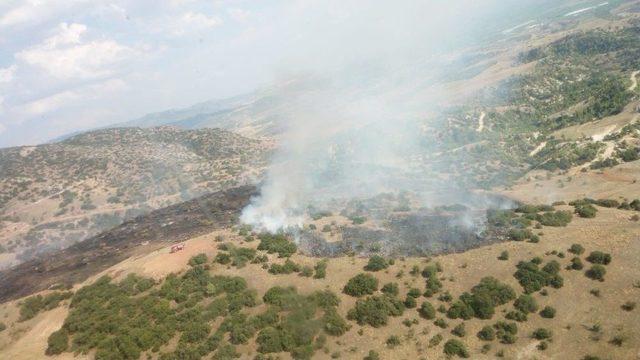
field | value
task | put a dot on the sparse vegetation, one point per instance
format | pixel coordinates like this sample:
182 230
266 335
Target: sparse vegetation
33 305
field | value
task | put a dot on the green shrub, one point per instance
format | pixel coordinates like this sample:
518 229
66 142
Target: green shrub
430 271
586 211
390 289
320 269
199 259
599 257
433 285
596 272
519 234
334 324
414 293
33 305
3 326
393 341
277 243
609 203
58 342
557 218
427 311
548 312
526 303
576 249
576 264
533 279
506 332
361 284
504 255
518 316
628 306
376 263
460 310
542 334
552 267
482 300
459 330
375 310
441 323
410 302
287 268
306 271
455 347
435 340
445 297
223 258
487 333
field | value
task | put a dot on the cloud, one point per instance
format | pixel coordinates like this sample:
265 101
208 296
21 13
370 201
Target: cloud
50 103
7 74
194 21
34 11
59 100
239 15
66 56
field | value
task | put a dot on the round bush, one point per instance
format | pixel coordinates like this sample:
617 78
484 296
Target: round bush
361 284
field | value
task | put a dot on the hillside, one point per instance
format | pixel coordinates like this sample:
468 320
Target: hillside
511 230
54 195
232 293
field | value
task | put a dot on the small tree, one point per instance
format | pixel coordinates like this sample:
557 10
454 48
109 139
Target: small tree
576 263
459 330
427 311
376 263
576 249
58 342
596 272
455 347
599 257
410 302
542 334
361 284
487 333
526 303
390 289
393 341
198 260
548 312
586 211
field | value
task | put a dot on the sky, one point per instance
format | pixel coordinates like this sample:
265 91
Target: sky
80 64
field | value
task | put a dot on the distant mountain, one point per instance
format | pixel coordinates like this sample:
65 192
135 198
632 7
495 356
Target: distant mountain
53 195
262 113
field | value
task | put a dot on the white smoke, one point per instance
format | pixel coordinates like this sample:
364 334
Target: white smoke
354 127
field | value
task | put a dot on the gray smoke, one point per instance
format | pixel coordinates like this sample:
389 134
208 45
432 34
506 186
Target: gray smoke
372 79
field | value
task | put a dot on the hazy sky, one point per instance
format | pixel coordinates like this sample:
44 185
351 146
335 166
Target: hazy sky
67 65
